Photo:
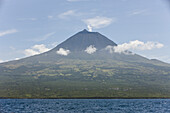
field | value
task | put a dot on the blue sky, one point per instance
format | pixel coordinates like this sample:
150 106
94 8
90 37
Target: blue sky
30 27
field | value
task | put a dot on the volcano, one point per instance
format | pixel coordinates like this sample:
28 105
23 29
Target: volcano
83 39
83 67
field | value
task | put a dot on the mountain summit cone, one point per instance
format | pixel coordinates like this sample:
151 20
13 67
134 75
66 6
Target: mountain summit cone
83 39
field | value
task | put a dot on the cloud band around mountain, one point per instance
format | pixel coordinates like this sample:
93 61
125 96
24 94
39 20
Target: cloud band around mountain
134 45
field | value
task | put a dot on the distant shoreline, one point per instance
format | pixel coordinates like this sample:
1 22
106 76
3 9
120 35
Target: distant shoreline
92 98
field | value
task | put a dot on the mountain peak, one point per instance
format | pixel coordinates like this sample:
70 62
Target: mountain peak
83 39
84 31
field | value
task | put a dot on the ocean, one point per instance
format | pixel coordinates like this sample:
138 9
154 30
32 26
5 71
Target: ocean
84 105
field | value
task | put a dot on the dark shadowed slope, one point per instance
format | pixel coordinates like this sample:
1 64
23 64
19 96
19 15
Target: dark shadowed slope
83 39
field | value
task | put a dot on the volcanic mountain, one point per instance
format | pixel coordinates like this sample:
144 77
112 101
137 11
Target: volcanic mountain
85 66
83 39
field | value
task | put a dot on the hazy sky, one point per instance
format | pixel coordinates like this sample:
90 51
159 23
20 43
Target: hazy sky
30 27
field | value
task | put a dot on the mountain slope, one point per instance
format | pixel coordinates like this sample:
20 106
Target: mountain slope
82 75
83 39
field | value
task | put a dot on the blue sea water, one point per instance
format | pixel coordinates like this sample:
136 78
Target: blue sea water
84 105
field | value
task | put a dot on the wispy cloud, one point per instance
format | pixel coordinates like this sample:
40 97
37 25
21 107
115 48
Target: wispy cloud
134 45
67 14
28 19
46 36
50 17
12 48
91 49
3 33
36 49
98 22
62 51
137 12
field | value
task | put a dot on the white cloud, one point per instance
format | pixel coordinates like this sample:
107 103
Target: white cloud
36 49
89 28
134 45
8 32
91 49
67 14
98 22
110 48
62 51
41 48
30 52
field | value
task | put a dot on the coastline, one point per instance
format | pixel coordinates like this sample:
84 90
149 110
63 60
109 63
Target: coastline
91 98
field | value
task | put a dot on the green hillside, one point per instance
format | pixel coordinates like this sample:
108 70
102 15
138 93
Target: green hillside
70 78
